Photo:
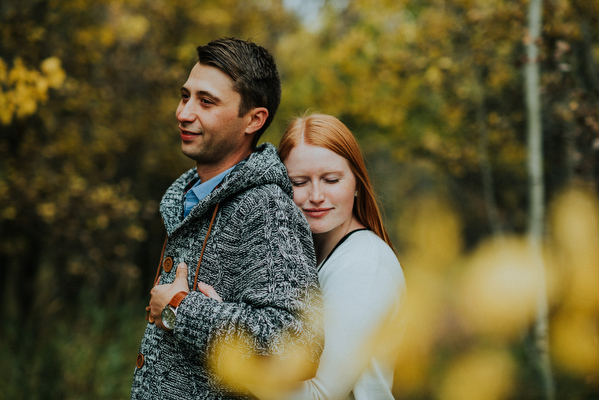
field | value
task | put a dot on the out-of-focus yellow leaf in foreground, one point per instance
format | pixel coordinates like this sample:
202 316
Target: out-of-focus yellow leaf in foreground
497 293
480 374
575 252
267 375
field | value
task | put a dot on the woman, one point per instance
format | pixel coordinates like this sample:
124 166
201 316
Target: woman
361 279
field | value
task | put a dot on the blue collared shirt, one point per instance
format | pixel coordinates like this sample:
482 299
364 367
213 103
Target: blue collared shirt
201 190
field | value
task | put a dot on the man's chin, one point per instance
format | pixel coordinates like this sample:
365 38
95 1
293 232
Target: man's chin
198 156
190 153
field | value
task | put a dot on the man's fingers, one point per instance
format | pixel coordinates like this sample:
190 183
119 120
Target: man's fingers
181 271
180 282
155 310
209 291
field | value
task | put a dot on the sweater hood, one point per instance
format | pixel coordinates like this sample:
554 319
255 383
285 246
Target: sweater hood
262 167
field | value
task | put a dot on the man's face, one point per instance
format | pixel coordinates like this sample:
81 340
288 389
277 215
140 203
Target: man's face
211 131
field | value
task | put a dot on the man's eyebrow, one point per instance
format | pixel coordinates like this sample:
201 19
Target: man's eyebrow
214 97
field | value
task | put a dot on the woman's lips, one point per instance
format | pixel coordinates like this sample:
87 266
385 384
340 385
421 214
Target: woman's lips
316 212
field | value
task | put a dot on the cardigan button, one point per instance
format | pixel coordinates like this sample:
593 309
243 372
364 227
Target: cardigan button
167 264
140 361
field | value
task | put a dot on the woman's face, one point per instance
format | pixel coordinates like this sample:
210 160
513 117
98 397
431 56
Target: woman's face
323 188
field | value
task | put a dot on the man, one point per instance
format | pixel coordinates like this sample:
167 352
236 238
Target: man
233 222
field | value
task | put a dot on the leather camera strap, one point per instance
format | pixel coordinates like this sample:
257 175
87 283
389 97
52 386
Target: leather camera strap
195 282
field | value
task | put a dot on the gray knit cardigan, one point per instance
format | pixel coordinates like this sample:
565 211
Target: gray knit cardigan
260 259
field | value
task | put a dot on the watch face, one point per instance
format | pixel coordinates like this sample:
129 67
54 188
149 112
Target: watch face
168 318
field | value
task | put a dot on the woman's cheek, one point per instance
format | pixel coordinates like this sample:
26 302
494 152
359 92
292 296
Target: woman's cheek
297 194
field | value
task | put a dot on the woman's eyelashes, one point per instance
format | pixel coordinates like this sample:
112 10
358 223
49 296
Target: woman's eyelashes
302 182
297 183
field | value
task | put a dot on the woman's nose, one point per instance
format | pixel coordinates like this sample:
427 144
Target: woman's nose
316 194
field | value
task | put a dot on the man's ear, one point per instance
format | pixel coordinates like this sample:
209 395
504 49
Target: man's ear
257 117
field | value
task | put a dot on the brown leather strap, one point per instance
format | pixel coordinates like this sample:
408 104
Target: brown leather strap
160 262
177 299
195 282
148 318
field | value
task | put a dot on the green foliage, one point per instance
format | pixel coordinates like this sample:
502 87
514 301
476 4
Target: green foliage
88 145
81 352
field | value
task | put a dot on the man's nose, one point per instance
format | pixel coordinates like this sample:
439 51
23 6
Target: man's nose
186 112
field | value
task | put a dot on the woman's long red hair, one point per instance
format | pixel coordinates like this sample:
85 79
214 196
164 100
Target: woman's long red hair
328 132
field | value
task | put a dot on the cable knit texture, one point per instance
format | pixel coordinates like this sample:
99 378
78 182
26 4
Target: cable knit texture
260 259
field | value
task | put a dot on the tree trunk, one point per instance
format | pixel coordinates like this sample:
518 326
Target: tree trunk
536 191
484 162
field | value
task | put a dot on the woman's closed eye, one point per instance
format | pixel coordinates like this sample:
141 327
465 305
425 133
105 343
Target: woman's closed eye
295 182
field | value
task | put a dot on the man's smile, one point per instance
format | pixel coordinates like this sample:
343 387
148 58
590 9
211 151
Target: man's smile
187 135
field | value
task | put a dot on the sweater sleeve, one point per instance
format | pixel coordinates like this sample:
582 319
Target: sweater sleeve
272 302
362 285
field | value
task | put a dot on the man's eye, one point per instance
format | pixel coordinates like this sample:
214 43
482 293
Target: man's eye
206 101
184 96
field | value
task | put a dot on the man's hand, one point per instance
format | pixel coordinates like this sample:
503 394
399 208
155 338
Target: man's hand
162 294
209 291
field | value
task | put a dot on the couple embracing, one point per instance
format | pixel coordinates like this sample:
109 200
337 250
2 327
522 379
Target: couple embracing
283 253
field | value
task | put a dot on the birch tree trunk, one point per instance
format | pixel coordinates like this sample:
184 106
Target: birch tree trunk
536 191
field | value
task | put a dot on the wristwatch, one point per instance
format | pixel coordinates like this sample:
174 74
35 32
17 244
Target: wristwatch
169 312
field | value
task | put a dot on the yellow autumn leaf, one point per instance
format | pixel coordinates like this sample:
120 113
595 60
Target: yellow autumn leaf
52 69
479 374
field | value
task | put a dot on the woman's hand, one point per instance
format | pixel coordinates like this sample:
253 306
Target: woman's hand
209 291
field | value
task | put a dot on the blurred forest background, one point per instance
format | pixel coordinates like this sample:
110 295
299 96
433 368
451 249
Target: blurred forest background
434 91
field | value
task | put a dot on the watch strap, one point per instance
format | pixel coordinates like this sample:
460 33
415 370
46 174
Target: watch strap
177 299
